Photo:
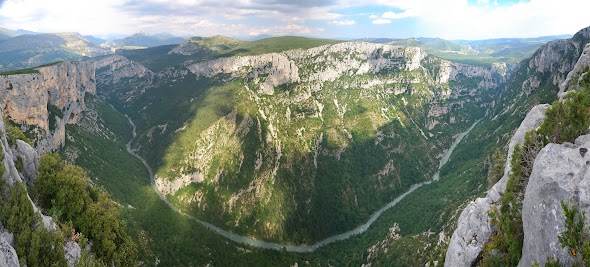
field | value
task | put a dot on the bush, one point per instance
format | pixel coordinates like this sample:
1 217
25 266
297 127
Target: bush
496 170
33 244
66 191
575 238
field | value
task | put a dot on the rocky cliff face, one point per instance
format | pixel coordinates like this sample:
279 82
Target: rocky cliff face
330 62
474 229
48 100
557 172
571 81
116 69
555 60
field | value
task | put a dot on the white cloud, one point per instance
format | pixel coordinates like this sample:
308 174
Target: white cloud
450 19
291 29
457 19
381 21
343 22
393 15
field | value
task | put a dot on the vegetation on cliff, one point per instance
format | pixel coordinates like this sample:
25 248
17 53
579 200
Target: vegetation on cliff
65 191
565 120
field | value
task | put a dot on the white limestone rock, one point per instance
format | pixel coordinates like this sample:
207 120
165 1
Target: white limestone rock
560 173
8 257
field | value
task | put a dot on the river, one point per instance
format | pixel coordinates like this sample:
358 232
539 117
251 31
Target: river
298 248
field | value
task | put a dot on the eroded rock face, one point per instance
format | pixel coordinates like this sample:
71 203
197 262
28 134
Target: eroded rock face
279 68
473 227
25 98
560 173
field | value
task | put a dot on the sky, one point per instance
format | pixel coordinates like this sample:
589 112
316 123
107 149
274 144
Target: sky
344 19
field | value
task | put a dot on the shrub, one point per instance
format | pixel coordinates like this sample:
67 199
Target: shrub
66 190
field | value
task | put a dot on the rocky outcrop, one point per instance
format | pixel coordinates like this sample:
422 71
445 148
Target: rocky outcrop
26 98
560 173
167 187
473 227
8 257
73 252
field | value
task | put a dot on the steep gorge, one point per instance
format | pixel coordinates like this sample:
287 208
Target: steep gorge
283 137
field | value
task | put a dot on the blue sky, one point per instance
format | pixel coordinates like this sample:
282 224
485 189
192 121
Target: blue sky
450 19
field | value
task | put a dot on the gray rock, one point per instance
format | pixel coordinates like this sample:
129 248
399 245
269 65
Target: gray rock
8 257
559 174
30 160
73 252
473 227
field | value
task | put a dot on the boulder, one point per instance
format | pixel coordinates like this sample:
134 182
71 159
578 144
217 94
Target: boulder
560 173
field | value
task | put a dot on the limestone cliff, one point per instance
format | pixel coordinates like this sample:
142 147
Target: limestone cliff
28 99
329 62
557 63
118 67
473 228
555 60
574 76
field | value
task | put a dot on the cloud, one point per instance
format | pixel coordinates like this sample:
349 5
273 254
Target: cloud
458 19
381 21
343 22
291 29
393 15
450 19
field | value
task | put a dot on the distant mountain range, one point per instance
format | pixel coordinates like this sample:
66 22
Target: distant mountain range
23 48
